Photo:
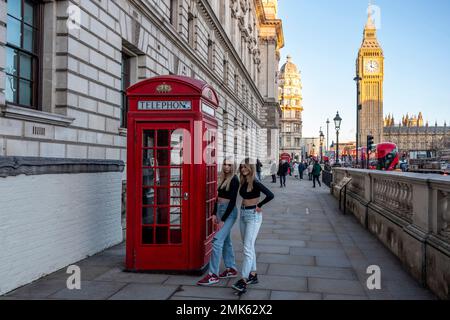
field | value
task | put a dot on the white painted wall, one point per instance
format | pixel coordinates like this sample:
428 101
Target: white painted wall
50 221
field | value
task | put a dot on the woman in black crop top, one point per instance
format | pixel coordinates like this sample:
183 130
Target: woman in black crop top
225 214
250 221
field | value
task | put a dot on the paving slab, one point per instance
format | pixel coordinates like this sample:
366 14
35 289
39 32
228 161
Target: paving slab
206 292
39 289
118 275
271 282
350 287
291 295
338 262
90 290
286 259
139 291
308 271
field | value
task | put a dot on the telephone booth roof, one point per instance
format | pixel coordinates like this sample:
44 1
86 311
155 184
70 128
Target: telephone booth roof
173 88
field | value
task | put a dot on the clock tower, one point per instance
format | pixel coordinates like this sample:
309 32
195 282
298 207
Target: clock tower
369 76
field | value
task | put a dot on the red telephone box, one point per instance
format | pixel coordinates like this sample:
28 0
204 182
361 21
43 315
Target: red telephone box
171 174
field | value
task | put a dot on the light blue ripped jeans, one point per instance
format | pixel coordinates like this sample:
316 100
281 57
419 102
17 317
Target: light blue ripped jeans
222 245
250 223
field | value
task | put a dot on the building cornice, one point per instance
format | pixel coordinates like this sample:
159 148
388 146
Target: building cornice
271 23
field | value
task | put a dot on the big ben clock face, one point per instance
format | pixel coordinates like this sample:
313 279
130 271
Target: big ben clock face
372 66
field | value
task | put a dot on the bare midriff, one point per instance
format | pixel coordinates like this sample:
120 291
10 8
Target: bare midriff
250 202
223 200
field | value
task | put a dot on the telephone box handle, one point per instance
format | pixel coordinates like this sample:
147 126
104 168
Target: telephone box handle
186 196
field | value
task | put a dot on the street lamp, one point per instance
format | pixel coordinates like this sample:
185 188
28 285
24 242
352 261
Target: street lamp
328 137
321 145
358 107
337 126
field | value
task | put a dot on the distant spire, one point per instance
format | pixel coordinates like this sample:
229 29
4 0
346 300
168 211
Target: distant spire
289 58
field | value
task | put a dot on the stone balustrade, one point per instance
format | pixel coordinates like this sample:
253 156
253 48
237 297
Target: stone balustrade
409 213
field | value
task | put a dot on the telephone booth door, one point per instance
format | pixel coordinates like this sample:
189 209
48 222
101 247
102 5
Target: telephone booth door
163 199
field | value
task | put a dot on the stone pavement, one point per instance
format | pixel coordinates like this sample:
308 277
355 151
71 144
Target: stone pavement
306 250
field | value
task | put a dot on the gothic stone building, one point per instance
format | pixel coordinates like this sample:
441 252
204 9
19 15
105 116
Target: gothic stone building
64 69
412 135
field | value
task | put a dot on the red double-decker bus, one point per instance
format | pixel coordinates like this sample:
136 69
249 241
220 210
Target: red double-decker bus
383 156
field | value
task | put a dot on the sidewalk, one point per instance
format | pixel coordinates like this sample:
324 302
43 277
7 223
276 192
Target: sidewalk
306 249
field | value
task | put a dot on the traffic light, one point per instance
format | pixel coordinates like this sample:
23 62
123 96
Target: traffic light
369 143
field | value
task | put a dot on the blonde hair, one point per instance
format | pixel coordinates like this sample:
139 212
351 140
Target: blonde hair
250 178
225 179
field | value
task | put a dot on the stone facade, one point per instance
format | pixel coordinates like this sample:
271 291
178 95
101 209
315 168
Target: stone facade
233 45
291 104
91 51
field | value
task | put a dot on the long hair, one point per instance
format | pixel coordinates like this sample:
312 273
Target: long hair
250 178
225 179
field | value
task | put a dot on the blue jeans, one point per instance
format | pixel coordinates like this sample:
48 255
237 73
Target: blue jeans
250 223
222 245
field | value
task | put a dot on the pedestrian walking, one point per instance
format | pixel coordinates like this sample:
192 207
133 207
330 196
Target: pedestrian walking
301 168
310 170
317 169
225 215
283 169
295 167
250 221
259 165
273 170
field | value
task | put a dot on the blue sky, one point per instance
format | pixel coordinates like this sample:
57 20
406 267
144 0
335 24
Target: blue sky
323 38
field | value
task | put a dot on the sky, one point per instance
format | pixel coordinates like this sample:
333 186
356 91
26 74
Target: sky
323 38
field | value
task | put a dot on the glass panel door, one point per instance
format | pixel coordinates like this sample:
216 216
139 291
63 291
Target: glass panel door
162 184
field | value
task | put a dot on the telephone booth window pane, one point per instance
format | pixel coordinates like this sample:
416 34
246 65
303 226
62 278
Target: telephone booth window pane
149 139
148 215
162 198
176 157
175 234
148 177
148 159
147 235
177 139
162 235
163 138
175 197
148 196
162 215
175 176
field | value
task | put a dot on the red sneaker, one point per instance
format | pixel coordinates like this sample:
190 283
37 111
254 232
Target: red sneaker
228 273
208 280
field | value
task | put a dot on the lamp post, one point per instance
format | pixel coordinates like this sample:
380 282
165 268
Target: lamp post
358 107
328 137
337 126
321 145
